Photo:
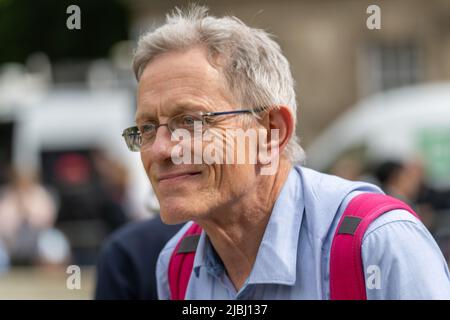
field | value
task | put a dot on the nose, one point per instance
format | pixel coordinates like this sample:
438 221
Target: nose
160 149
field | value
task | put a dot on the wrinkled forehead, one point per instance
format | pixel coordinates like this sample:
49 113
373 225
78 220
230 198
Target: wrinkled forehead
174 77
192 62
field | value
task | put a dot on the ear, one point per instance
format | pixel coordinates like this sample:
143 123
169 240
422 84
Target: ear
282 120
279 124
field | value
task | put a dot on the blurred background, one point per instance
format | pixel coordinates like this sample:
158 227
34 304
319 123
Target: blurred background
374 105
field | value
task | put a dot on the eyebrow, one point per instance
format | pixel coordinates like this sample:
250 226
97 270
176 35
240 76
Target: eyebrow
143 115
177 109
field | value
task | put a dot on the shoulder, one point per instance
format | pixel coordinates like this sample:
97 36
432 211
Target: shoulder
399 230
409 261
396 218
325 198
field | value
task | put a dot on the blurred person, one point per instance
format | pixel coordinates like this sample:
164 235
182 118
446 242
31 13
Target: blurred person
112 187
90 188
27 212
439 199
406 181
4 259
251 235
400 180
348 167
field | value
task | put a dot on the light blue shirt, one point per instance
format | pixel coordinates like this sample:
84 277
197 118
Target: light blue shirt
400 257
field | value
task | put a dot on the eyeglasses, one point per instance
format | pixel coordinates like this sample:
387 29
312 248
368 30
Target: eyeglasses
137 137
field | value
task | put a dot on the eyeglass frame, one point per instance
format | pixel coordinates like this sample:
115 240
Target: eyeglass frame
203 115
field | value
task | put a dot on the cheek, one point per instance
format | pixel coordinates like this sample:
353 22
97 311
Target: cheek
232 180
146 163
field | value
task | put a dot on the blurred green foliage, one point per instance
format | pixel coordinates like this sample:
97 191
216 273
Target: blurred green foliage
27 26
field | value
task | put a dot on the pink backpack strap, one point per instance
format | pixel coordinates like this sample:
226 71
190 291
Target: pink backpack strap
182 262
347 281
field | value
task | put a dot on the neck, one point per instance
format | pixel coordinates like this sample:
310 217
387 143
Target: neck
237 232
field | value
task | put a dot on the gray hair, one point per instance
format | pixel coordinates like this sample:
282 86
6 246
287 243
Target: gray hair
256 71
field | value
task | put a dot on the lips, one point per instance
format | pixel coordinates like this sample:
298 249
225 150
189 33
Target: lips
177 176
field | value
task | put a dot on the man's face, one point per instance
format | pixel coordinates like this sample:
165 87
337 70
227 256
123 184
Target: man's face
180 82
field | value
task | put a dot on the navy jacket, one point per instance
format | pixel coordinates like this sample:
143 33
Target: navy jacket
126 266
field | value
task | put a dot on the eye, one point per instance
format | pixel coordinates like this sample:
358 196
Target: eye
188 120
185 121
147 128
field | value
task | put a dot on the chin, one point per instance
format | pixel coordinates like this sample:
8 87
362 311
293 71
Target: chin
176 213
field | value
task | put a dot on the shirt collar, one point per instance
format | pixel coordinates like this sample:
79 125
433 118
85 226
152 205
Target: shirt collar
276 261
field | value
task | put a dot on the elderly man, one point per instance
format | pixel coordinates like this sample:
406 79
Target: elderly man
261 235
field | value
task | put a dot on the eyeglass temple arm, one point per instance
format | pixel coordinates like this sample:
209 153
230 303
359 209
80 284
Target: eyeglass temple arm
232 112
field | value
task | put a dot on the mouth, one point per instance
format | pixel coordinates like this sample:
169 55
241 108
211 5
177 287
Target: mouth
178 176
